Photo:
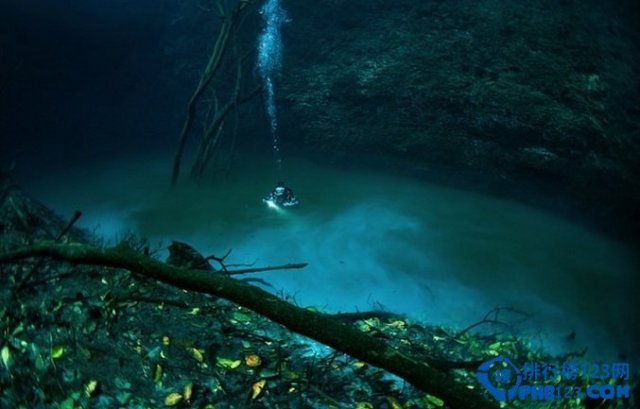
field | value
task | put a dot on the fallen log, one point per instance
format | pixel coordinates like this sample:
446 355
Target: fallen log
320 327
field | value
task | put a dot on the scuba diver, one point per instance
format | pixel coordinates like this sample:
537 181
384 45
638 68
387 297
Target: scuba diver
281 196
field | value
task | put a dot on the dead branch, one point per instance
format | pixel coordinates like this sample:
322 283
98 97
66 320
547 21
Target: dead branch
318 326
76 215
289 266
492 317
230 21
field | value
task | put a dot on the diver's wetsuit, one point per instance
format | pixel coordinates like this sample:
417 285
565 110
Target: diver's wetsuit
286 198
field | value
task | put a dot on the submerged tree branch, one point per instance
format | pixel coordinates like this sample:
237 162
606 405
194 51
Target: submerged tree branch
321 327
269 268
230 22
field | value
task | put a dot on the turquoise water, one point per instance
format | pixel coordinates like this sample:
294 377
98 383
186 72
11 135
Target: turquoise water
440 255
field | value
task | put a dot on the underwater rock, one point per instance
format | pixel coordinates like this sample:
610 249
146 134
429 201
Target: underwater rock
483 95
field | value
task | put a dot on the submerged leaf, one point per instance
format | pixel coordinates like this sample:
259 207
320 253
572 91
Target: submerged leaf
187 391
434 400
90 388
18 329
252 360
57 351
6 356
400 324
173 399
157 373
228 363
257 388
196 353
241 317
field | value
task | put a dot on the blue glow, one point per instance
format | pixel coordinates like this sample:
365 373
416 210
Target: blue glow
270 60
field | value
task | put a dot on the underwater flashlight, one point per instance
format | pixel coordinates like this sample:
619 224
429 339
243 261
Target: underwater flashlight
272 204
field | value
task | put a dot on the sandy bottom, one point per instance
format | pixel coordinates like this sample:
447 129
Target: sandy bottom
378 241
